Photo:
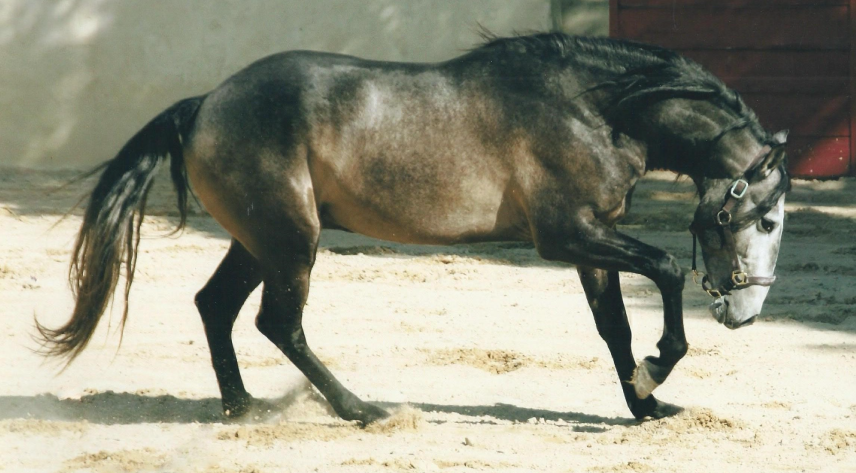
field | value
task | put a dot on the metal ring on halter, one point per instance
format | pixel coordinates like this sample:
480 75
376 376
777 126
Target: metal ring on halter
723 218
739 278
708 288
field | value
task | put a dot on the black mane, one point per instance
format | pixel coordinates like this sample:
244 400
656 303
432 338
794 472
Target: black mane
638 74
548 45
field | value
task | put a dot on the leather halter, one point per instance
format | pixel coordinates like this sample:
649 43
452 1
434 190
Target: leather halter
739 279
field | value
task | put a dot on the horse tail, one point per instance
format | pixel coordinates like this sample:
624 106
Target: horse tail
110 233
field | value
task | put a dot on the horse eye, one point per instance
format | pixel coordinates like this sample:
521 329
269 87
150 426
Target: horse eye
767 225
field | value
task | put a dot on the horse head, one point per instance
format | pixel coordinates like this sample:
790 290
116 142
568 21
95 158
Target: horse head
739 223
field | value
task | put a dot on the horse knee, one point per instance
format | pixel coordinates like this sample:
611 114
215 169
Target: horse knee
553 249
670 274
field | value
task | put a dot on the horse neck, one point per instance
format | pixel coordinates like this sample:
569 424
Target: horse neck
679 137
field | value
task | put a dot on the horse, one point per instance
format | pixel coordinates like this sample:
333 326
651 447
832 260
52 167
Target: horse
539 138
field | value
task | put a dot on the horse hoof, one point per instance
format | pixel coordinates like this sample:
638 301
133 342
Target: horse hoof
370 413
652 408
236 408
257 408
664 409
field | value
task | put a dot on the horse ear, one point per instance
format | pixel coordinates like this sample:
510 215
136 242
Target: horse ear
781 137
774 159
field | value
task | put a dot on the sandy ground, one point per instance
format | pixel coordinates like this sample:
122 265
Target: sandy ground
494 351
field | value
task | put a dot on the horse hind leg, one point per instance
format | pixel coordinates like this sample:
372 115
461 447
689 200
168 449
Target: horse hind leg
219 303
286 244
265 199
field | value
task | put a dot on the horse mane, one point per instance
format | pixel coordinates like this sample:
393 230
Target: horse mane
638 74
563 45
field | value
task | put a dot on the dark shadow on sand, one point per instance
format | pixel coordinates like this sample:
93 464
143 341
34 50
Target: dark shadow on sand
111 408
578 421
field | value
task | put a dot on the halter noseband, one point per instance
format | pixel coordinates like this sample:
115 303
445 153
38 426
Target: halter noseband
722 220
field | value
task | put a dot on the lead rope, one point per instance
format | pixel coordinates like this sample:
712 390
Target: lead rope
695 268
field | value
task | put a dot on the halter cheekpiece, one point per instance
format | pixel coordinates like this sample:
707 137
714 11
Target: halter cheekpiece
722 220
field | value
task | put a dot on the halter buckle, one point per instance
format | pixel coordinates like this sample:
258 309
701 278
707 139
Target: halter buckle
714 293
733 189
739 278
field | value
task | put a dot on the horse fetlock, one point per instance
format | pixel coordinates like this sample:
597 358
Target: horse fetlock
648 375
642 380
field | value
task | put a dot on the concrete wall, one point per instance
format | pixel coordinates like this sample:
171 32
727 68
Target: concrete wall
581 17
79 77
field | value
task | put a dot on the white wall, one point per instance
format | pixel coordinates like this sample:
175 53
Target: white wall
582 17
79 77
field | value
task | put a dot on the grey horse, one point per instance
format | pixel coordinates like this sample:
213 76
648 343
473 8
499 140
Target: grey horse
536 138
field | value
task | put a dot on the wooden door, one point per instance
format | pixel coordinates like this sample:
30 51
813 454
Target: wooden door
791 60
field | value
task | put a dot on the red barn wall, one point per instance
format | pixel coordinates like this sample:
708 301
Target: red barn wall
791 60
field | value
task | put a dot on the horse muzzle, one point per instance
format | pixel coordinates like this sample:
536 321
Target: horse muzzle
719 311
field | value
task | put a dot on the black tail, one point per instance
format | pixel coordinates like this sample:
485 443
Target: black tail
110 233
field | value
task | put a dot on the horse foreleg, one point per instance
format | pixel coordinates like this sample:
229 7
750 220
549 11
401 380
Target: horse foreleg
603 292
219 303
593 245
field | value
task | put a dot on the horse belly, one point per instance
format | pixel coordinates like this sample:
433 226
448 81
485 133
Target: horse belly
415 204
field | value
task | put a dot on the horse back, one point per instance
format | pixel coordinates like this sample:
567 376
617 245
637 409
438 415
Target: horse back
427 153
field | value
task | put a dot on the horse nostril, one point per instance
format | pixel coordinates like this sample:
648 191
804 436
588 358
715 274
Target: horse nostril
719 310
